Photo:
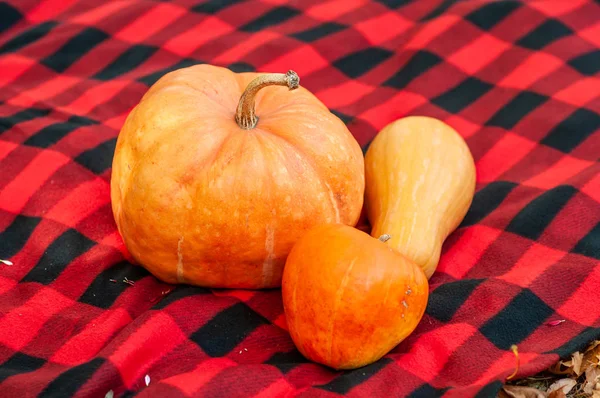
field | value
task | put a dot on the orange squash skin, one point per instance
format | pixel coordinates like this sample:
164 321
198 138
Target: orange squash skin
349 298
199 200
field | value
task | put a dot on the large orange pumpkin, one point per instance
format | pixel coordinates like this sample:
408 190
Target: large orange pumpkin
216 175
350 298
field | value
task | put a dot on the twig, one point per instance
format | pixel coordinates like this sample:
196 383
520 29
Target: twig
515 351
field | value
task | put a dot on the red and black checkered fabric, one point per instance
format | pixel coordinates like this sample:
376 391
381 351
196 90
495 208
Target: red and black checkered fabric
519 80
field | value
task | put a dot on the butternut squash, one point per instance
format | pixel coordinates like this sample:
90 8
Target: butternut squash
420 182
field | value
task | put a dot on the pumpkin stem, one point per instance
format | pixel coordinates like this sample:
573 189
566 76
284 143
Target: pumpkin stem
385 237
245 115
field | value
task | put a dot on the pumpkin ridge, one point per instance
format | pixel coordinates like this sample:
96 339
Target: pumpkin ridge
336 304
308 160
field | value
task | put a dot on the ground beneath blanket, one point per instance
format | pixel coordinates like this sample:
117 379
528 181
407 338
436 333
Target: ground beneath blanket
576 377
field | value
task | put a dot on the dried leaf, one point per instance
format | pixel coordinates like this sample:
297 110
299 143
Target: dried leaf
592 374
564 385
577 359
557 394
523 392
593 345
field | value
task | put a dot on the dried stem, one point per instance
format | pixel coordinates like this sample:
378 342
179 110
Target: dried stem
245 115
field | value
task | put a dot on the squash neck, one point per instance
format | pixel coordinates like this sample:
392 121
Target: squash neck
245 115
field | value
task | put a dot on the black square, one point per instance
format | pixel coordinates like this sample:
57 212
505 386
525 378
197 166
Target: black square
274 17
439 10
227 329
66 248
180 292
126 62
8 16
569 133
74 49
343 117
8 122
508 116
18 364
490 390
587 64
318 32
445 300
590 244
418 64
36 33
533 219
53 133
360 62
70 381
286 361
152 78
393 4
214 6
103 293
513 324
463 95
487 200
350 379
240 67
15 236
428 391
100 158
490 14
546 33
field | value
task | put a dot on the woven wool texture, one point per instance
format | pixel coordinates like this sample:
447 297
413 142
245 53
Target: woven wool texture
519 81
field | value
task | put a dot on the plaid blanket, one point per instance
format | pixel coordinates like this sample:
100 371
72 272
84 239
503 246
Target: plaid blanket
518 79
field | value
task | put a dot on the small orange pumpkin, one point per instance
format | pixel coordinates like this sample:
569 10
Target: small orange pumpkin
349 298
217 174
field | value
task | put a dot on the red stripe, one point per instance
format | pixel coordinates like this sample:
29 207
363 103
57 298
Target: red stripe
45 90
23 323
188 41
465 253
532 264
158 336
507 152
16 194
6 148
190 382
150 23
429 354
87 343
49 9
13 66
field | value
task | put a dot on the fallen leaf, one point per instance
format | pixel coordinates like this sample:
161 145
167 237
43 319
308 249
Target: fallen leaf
523 392
557 394
593 345
577 362
592 374
563 385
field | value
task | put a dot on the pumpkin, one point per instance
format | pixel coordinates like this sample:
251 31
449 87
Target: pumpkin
349 298
420 184
217 174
